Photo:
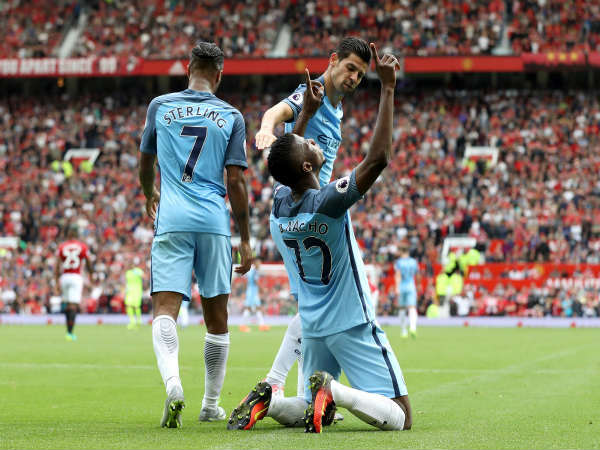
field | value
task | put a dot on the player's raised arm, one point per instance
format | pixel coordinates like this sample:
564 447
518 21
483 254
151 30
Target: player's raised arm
313 96
275 115
381 144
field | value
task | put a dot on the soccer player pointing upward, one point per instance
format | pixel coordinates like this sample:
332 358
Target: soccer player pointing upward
347 67
338 321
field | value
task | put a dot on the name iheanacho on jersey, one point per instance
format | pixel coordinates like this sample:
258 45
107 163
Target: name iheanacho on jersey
297 226
183 112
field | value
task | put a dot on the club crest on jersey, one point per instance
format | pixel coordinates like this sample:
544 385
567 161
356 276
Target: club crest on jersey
342 185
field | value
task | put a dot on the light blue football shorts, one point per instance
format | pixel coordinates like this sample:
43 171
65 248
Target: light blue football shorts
407 297
176 254
363 353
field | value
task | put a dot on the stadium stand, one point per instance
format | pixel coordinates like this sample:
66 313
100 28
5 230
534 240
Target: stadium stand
540 202
154 29
164 30
412 28
554 26
34 28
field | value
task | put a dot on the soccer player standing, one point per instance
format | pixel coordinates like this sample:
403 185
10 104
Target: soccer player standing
346 69
252 301
406 268
67 273
195 136
134 287
338 320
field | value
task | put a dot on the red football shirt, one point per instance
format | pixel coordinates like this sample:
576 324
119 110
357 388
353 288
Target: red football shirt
71 254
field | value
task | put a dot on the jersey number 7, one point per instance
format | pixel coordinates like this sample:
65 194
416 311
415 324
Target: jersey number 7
308 243
200 134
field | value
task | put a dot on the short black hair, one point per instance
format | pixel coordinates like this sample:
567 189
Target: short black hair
206 56
355 45
72 231
283 164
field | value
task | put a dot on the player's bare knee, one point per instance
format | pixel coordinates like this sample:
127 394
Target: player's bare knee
216 321
217 328
215 313
166 304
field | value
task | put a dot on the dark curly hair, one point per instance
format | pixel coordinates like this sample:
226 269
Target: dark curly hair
206 56
284 164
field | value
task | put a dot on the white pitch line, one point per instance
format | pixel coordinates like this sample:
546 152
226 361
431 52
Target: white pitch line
17 365
475 372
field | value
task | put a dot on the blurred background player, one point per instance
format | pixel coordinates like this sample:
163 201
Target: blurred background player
252 303
196 137
134 287
406 268
346 69
374 294
184 314
338 319
184 311
67 273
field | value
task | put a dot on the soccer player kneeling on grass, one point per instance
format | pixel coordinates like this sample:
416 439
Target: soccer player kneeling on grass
338 321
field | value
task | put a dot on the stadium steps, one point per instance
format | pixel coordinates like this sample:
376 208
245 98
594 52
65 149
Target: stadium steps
72 36
283 41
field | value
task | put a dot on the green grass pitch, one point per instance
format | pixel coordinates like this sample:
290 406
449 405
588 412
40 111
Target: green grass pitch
469 388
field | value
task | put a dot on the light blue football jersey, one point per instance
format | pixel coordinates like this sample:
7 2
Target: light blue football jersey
194 135
324 127
408 268
317 244
252 283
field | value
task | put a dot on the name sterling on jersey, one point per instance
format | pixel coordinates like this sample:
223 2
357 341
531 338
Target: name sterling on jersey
184 112
296 226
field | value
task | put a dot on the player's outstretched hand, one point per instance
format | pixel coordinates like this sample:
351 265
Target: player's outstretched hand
246 255
313 96
264 139
385 67
152 204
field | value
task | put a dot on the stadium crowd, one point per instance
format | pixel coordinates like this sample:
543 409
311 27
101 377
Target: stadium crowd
34 28
552 25
420 28
158 29
539 202
165 30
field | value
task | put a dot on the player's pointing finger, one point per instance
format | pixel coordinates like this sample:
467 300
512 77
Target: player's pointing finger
374 52
308 82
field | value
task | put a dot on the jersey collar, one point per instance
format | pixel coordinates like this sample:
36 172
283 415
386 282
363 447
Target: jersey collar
321 80
192 91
